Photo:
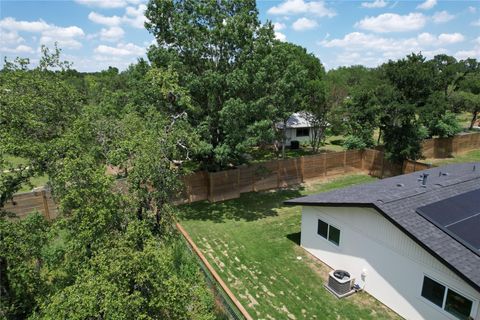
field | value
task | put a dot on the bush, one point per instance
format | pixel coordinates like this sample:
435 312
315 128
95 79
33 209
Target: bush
446 126
353 142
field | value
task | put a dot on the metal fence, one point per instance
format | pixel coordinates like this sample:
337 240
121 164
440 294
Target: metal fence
232 307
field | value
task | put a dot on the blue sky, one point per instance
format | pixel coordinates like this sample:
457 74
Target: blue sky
97 33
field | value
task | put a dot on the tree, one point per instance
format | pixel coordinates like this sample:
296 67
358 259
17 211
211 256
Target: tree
467 98
361 112
412 76
402 132
209 43
437 117
100 258
21 283
36 108
316 108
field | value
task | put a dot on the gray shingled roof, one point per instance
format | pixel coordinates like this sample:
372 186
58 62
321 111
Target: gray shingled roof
397 198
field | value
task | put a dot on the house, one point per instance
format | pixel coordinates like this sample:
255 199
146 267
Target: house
411 241
298 128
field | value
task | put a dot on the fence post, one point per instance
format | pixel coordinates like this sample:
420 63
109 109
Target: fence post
210 187
45 205
302 164
362 154
344 161
254 181
278 173
325 164
383 165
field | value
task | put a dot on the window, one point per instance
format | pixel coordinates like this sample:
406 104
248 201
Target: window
334 235
328 232
303 132
447 299
458 305
433 291
322 229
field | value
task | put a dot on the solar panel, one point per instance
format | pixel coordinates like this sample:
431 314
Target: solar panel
458 216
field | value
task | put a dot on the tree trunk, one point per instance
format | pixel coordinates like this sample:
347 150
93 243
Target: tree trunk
474 119
4 283
379 136
284 138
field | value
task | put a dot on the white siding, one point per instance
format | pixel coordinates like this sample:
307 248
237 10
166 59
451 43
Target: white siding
292 135
395 264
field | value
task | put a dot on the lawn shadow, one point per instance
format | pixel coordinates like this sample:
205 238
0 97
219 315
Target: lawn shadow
250 206
294 237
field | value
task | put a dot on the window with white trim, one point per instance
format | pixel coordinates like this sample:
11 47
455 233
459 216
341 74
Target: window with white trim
447 299
328 232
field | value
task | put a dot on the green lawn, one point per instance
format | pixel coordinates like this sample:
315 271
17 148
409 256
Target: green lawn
471 156
35 181
253 243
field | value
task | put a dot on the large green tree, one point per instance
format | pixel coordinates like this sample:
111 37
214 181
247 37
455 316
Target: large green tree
210 44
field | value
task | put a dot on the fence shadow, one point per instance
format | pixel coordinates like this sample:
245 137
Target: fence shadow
249 207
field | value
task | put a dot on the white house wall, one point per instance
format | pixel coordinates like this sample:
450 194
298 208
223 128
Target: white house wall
394 263
291 135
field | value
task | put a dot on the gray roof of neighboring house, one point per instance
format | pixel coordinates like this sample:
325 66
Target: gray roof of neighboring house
398 198
297 120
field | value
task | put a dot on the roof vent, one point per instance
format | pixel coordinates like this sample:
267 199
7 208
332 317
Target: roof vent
424 180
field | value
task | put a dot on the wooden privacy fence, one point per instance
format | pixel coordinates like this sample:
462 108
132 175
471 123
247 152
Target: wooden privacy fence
447 147
229 184
24 203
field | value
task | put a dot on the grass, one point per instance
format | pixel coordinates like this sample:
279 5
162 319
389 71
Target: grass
36 181
252 242
471 156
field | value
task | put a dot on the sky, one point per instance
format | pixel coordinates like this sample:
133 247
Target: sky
95 34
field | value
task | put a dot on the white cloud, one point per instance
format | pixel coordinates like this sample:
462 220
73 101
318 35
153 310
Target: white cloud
10 23
277 26
111 34
63 43
101 19
10 37
379 49
472 9
392 22
108 4
121 49
374 4
292 7
442 17
18 49
280 36
66 37
134 17
465 54
427 5
450 38
304 24
476 23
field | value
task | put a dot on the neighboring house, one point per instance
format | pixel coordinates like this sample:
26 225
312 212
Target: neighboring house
298 128
415 247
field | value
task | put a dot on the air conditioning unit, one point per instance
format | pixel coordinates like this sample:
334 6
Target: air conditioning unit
340 283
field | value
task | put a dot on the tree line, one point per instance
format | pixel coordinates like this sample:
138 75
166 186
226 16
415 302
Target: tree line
215 86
